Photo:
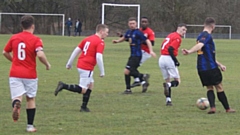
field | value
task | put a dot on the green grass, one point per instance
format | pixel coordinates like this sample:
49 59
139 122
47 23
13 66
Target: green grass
117 114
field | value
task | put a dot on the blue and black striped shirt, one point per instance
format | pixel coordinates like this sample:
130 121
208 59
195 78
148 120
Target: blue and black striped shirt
135 38
206 55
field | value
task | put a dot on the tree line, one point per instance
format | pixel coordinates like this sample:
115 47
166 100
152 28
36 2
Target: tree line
164 15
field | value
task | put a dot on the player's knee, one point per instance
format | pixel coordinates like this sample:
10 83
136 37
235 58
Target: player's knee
126 71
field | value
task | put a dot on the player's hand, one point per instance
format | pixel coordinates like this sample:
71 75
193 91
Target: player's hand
68 66
48 67
177 64
185 51
115 41
153 54
222 67
119 34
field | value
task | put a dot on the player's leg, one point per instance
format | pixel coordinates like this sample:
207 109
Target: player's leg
86 95
211 99
145 77
223 98
69 87
145 57
127 80
216 80
138 77
31 92
83 74
17 90
205 77
127 72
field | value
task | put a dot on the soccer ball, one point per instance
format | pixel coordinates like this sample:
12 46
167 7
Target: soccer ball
202 103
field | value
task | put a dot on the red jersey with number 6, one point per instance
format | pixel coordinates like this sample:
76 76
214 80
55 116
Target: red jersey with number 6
148 32
173 39
90 46
23 47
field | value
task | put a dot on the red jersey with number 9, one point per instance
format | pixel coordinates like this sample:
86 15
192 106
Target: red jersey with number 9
23 47
90 46
173 39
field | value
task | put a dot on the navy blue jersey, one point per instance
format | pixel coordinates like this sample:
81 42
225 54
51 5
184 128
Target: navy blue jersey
135 38
206 56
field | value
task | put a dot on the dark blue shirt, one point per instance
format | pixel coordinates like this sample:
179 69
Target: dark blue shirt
206 56
68 23
135 38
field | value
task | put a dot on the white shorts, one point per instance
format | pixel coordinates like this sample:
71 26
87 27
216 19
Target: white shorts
20 86
168 68
86 77
145 56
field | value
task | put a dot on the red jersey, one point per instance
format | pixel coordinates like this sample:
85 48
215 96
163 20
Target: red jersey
90 46
148 32
173 39
23 47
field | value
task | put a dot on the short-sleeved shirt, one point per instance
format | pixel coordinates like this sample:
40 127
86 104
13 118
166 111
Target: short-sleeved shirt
135 38
23 47
173 39
206 55
148 32
90 46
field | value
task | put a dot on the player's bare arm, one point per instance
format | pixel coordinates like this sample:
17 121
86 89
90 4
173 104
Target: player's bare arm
194 49
149 44
74 54
42 57
222 67
7 55
119 40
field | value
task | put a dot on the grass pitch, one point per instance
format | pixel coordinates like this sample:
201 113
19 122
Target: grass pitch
115 114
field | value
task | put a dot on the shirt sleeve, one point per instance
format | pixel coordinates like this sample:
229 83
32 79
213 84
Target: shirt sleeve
81 45
8 47
126 34
151 36
100 47
141 36
38 45
203 38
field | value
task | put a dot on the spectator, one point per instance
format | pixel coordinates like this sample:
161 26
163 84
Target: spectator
78 28
68 25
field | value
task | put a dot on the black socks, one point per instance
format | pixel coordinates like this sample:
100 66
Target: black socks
174 83
30 115
86 97
211 98
223 99
128 81
72 88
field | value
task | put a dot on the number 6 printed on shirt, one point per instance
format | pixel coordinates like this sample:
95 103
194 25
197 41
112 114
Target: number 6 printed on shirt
21 51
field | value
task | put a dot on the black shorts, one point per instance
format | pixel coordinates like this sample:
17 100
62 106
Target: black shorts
133 62
210 77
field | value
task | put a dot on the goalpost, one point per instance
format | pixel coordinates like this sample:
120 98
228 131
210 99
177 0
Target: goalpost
220 26
38 14
121 5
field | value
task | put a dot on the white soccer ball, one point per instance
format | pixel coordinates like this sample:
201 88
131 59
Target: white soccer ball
202 103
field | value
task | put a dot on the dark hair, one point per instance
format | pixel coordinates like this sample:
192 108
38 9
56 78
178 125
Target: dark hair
182 25
132 19
144 17
27 21
209 21
101 27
